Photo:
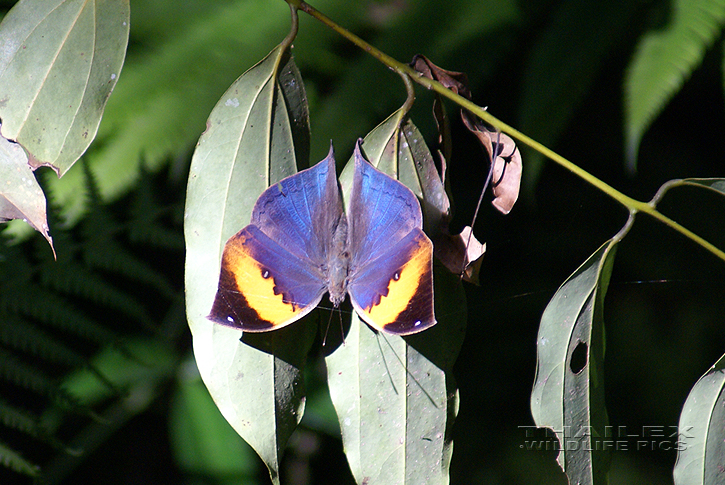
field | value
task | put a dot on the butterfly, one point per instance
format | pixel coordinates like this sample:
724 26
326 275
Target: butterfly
301 244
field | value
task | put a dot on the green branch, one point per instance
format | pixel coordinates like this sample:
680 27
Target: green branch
634 206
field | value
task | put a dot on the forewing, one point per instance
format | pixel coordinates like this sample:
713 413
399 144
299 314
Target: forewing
300 212
394 292
262 286
381 213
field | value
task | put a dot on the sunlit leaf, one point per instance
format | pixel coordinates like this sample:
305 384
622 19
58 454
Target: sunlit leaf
59 63
568 393
701 436
20 195
395 396
257 134
664 60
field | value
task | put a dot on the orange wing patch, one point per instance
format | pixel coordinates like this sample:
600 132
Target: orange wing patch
405 288
247 297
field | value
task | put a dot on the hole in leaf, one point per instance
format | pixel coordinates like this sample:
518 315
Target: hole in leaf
578 358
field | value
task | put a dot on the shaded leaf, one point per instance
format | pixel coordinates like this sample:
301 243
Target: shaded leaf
716 184
20 194
663 62
137 362
58 65
256 135
568 393
701 436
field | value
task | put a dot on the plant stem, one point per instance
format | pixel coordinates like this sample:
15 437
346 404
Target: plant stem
405 70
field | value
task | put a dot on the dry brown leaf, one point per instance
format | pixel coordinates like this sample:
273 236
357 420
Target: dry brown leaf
462 254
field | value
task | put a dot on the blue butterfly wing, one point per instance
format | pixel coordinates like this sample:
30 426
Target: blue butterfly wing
300 212
391 273
261 285
274 271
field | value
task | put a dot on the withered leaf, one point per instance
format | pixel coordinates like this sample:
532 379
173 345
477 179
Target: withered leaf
461 254
507 164
455 81
506 173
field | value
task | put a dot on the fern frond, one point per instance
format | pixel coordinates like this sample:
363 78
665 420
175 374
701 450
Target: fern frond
664 60
146 224
15 418
49 308
14 460
24 336
73 279
111 256
27 376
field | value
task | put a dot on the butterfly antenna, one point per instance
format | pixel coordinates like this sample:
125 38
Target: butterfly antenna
327 329
342 329
496 153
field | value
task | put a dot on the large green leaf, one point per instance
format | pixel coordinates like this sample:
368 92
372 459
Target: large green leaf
701 438
394 396
663 61
568 393
59 62
257 134
161 103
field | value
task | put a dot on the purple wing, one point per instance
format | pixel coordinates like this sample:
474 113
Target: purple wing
391 273
300 212
274 271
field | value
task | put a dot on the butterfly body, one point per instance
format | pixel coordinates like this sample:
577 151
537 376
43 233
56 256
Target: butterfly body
301 244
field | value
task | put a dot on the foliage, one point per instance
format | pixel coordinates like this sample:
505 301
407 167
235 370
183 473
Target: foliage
100 331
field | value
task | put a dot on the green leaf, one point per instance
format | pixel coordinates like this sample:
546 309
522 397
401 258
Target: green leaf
257 134
701 438
59 62
718 185
159 108
20 194
663 62
555 84
137 362
394 396
568 393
